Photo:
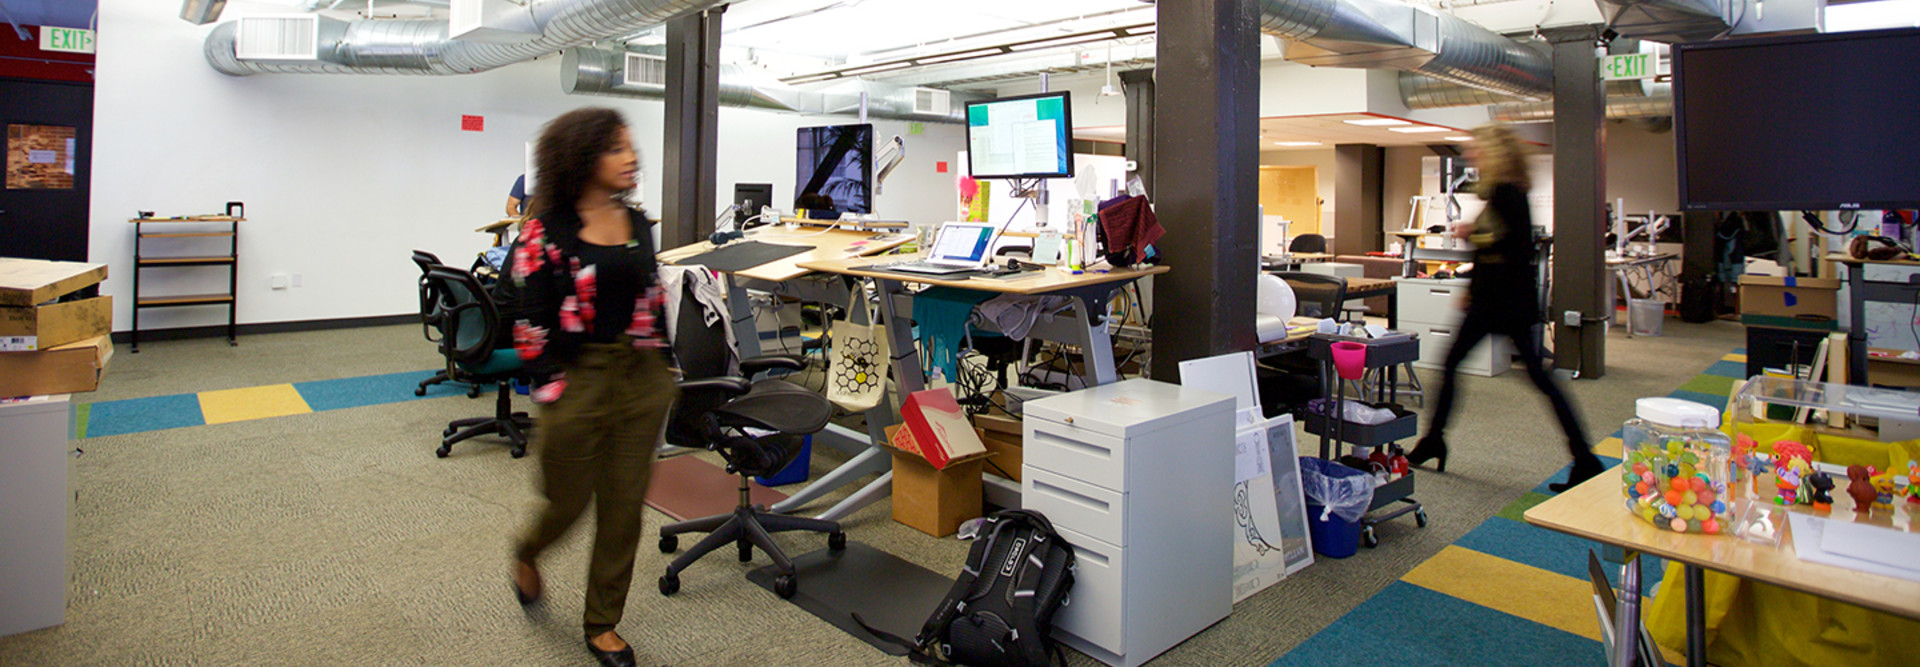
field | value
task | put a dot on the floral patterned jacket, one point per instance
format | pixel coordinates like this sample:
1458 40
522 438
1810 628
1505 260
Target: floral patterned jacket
556 300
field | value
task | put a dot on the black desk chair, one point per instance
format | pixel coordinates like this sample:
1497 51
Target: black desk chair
1307 243
714 412
1317 295
429 316
470 330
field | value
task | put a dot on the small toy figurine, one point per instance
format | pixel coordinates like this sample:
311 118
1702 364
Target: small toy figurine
1861 489
1789 471
1913 481
1821 497
1883 486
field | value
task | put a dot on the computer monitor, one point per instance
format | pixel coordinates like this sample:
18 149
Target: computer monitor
1027 136
835 169
750 198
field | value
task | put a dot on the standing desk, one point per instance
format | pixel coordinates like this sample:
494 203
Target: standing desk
1593 511
1651 267
498 229
1859 292
784 276
1087 328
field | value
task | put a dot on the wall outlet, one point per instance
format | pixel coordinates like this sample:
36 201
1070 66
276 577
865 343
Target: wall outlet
1572 318
277 281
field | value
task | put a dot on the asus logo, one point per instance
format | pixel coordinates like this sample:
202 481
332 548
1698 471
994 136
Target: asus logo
1013 557
1845 206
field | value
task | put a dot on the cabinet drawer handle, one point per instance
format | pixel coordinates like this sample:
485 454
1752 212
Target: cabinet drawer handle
1074 445
1442 332
1086 556
1078 499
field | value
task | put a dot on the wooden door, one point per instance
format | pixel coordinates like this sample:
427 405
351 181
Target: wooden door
1292 192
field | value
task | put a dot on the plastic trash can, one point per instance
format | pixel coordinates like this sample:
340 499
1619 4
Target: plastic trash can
797 471
1333 536
1647 316
1337 499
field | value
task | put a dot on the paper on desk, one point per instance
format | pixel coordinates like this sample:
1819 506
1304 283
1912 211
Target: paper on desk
1809 534
1886 546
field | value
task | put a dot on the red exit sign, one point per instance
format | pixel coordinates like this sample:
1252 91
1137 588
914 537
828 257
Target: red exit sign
473 123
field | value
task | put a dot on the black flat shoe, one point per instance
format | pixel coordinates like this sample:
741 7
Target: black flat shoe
1430 449
1583 470
522 595
620 658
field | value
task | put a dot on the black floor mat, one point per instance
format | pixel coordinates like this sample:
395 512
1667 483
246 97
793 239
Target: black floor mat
743 255
889 593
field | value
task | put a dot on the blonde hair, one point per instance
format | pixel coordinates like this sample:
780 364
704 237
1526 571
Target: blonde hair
1502 159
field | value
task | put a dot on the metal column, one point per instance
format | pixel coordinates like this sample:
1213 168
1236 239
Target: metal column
1138 86
1358 173
692 128
1579 201
1209 54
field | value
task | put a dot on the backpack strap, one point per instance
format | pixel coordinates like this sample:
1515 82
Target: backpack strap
934 631
914 651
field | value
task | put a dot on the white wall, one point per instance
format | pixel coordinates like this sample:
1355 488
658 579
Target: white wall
343 175
1641 168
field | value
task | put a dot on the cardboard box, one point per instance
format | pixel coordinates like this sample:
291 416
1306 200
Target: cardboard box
40 327
1002 436
70 368
31 282
1803 298
941 432
932 500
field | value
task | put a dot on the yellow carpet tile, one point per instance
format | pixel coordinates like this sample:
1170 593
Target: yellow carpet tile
1547 598
232 405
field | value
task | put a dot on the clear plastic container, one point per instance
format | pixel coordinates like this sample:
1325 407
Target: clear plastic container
1678 468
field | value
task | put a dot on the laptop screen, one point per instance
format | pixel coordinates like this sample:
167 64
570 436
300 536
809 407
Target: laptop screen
963 243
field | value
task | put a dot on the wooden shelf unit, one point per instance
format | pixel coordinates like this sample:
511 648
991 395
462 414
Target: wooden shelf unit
231 260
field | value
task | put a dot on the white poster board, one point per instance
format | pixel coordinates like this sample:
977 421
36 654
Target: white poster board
1270 515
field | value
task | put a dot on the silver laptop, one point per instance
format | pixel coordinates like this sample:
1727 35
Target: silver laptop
957 248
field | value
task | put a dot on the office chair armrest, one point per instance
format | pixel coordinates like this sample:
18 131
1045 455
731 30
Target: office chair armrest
754 366
732 385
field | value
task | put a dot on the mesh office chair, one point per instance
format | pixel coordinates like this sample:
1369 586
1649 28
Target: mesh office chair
429 316
755 426
1308 243
470 330
1318 295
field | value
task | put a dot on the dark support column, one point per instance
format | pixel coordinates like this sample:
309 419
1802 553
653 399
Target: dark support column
692 126
1138 86
1209 73
1358 170
1579 202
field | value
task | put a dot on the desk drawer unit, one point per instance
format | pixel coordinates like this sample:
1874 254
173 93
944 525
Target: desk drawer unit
1436 340
1435 301
1138 476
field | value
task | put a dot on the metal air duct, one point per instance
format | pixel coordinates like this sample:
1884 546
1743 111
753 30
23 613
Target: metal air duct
422 46
1670 21
588 70
1388 34
1420 91
1657 102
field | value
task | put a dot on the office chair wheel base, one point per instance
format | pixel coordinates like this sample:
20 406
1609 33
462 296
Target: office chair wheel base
669 543
1420 518
669 585
746 552
519 451
785 586
443 451
447 432
473 391
836 541
419 391
1368 539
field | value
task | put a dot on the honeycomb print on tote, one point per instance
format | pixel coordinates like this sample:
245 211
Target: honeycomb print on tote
859 374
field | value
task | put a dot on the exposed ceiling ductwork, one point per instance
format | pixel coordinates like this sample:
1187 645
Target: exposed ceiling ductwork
1387 34
1657 102
600 71
315 44
1671 21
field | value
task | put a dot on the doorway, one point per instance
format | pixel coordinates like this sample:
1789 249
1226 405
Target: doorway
48 130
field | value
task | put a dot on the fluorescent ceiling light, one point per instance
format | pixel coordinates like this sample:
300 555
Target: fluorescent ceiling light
1296 143
875 68
963 55
1420 129
1371 122
1870 15
1459 138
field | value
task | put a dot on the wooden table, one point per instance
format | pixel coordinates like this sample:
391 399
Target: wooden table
1087 329
831 244
1367 288
498 229
1593 510
1293 259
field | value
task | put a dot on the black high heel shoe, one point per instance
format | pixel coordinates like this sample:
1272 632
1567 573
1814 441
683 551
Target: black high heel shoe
521 594
1430 449
1583 470
620 658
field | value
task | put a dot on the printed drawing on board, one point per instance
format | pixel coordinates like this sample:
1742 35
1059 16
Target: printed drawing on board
39 157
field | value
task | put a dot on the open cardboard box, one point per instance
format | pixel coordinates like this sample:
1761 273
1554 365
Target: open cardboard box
1789 297
933 500
70 368
1002 436
30 328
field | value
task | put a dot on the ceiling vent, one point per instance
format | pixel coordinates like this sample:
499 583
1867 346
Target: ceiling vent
278 38
494 21
932 101
646 70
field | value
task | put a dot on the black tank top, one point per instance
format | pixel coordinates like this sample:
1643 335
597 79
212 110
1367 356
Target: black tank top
617 284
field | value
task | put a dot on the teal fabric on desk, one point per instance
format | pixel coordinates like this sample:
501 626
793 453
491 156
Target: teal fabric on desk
941 313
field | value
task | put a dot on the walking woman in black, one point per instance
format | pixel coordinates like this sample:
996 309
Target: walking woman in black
1502 297
590 335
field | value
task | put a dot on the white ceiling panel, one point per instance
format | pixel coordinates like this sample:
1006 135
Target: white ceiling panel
1315 132
860 30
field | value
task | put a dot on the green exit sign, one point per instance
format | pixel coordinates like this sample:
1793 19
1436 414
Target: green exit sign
1627 66
69 40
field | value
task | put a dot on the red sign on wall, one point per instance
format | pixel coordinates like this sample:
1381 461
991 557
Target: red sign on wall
940 166
473 123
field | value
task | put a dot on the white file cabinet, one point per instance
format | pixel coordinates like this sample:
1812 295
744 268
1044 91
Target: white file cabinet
1433 309
1138 476
34 512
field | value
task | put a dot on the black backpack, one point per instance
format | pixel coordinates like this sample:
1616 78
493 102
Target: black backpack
1000 610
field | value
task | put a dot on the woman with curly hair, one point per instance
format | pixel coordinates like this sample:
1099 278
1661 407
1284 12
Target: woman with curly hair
1502 297
590 334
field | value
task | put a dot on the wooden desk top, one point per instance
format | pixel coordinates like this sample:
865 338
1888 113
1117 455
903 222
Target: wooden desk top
1594 511
497 225
189 218
1843 259
1054 280
832 244
1368 287
30 282
1298 257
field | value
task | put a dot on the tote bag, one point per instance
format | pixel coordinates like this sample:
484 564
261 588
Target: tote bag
857 364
